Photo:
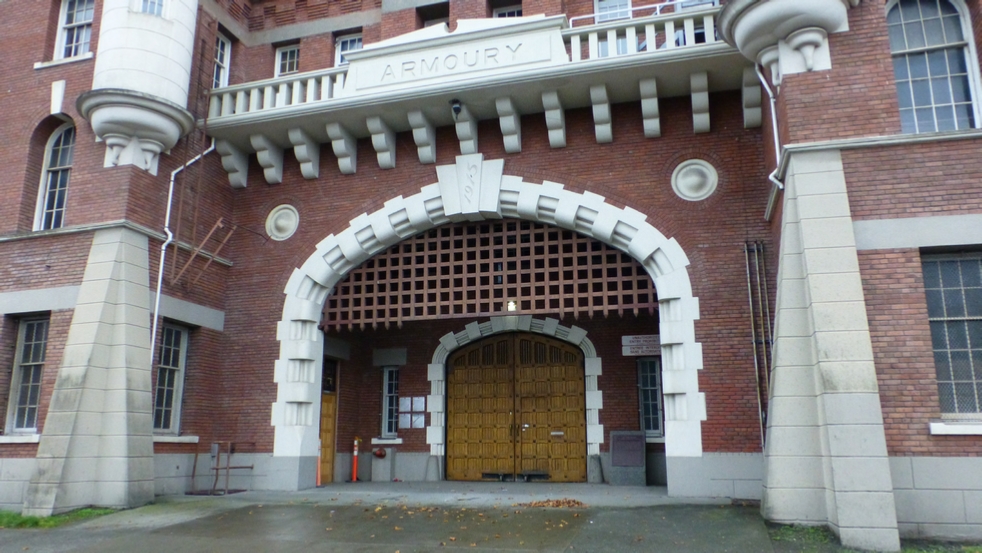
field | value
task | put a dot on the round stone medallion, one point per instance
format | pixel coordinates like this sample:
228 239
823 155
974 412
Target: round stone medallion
282 222
694 180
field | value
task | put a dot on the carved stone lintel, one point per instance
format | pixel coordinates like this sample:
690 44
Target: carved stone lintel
555 119
345 148
602 125
751 99
466 131
699 86
649 108
424 136
307 151
511 124
235 162
270 157
384 141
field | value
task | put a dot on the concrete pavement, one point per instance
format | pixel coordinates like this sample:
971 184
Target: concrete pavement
415 517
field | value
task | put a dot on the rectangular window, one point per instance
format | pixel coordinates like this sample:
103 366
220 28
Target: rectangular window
953 286
508 11
609 10
25 388
698 4
346 43
390 402
649 393
223 56
287 60
153 7
75 28
170 379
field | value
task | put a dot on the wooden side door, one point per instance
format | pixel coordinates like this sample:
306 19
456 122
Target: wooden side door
480 410
329 417
551 410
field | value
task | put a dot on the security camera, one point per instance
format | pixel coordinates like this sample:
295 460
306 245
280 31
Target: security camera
455 105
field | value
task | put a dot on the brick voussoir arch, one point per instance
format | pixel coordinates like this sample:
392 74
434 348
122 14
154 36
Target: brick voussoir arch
472 190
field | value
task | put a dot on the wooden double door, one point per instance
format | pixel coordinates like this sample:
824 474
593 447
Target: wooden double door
516 409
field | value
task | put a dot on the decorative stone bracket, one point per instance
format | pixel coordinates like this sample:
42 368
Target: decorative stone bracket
785 36
136 127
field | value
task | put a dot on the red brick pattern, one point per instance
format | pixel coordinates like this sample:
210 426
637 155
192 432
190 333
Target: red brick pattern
897 310
939 178
857 97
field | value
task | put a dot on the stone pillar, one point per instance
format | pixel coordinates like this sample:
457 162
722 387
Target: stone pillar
96 447
826 457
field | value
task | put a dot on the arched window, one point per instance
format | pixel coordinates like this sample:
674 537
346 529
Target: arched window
54 179
933 65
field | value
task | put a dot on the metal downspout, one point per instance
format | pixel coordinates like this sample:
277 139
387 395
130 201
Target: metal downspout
168 242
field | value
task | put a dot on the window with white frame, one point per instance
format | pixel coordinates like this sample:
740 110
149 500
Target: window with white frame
609 10
287 59
223 57
54 179
169 389
152 7
390 402
344 44
74 28
650 396
697 4
933 65
508 11
25 387
953 286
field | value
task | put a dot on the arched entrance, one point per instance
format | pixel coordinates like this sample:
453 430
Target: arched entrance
516 409
475 189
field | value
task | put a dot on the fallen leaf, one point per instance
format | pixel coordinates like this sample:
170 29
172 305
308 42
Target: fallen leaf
397 528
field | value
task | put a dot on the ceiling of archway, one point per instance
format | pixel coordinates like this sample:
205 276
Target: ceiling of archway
468 270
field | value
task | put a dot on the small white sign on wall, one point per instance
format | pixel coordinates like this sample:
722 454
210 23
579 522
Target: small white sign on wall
641 345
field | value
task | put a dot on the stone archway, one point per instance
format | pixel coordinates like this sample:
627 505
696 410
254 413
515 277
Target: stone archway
513 323
471 190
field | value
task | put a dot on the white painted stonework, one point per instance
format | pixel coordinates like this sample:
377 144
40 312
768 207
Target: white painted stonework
96 448
825 455
485 46
786 36
472 190
146 53
140 81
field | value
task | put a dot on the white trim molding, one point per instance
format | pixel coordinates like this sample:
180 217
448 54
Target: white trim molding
20 438
953 428
472 190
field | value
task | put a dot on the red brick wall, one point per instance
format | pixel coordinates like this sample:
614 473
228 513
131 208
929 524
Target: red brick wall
857 97
399 23
939 178
712 233
467 9
897 310
50 261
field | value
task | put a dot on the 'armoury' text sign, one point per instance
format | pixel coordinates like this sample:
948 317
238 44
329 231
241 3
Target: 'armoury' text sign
452 57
